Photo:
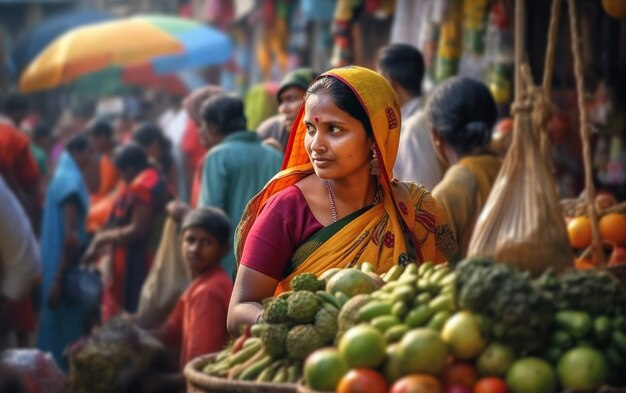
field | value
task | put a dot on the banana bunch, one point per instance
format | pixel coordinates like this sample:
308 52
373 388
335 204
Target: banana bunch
251 363
413 296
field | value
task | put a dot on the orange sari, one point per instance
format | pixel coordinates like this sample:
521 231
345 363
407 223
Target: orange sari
409 226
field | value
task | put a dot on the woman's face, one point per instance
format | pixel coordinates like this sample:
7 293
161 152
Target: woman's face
335 141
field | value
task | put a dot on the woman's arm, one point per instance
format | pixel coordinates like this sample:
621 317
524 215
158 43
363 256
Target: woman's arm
250 288
137 229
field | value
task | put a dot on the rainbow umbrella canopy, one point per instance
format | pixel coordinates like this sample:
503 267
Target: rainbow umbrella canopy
156 44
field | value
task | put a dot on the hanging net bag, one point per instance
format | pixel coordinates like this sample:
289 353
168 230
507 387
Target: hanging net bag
521 223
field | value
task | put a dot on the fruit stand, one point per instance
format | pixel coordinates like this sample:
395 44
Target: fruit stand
522 320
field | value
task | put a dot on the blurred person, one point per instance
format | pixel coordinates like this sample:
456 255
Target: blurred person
101 202
237 166
259 102
20 260
158 149
133 230
14 109
403 66
20 170
462 113
275 130
197 325
193 147
173 122
63 237
41 143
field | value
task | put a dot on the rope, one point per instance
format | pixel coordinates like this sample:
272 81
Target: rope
548 71
520 19
555 17
596 244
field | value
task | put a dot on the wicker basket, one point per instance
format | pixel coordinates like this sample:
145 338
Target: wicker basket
198 382
302 388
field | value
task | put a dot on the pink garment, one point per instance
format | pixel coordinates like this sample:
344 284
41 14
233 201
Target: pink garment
285 222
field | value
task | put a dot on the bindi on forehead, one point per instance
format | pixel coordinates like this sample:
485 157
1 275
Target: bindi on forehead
316 119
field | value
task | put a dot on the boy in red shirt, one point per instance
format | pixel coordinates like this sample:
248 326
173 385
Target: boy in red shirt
198 322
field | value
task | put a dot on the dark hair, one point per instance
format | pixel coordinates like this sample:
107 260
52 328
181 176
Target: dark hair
404 64
225 111
101 128
344 98
77 143
41 130
130 155
148 133
210 219
15 102
462 111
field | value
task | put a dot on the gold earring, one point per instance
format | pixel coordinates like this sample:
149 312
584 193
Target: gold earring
374 164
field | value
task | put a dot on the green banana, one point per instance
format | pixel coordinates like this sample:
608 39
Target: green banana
253 371
328 298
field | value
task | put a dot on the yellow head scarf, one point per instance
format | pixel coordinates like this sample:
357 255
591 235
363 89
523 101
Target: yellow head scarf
408 233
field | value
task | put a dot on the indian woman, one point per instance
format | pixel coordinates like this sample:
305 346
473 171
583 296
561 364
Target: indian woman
134 229
335 203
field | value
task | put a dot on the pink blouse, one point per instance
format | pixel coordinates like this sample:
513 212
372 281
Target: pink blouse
285 222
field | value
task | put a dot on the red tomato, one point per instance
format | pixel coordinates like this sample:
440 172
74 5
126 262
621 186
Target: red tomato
491 385
362 380
460 374
417 383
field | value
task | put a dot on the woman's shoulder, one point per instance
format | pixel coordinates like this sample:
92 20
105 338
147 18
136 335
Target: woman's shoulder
289 197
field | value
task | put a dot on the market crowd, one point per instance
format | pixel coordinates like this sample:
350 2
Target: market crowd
88 206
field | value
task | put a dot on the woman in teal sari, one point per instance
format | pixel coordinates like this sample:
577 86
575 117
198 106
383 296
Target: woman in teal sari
62 237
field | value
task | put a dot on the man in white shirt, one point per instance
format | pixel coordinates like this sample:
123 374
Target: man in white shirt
20 262
403 66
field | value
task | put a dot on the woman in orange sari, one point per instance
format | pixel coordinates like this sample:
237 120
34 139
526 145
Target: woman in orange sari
133 231
335 204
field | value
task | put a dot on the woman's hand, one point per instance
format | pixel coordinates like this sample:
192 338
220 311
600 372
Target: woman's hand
177 210
250 288
54 296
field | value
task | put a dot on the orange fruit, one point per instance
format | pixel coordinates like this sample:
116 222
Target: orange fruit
460 374
417 383
612 227
491 385
579 232
615 8
362 380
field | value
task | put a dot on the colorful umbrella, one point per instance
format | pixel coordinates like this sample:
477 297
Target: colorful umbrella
116 80
36 39
162 43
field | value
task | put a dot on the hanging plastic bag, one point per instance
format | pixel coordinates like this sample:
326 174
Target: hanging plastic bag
521 223
168 278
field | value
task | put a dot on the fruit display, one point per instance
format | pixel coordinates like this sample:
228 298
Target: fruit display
294 324
110 359
481 327
611 230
